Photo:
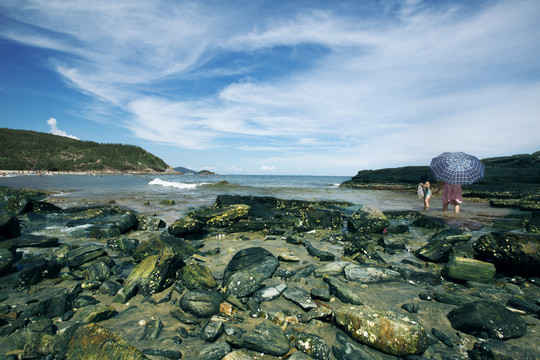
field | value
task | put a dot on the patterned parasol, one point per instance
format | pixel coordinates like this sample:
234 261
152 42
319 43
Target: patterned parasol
457 168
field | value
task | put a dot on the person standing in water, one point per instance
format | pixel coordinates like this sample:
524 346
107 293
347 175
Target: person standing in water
451 195
426 190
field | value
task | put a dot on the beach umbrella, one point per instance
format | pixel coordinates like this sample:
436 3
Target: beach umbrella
457 168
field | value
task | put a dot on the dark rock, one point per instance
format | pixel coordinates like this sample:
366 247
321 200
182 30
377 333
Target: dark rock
84 300
348 349
185 227
313 345
420 276
383 330
152 330
533 225
321 292
39 345
321 255
6 260
124 245
77 257
435 251
451 298
398 229
170 354
342 291
202 303
145 222
97 272
212 331
525 305
442 337
95 313
411 308
486 319
299 296
515 252
157 243
95 342
36 271
427 222
185 318
501 350
197 276
267 338
34 241
247 270
367 220
318 218
215 351
156 272
9 227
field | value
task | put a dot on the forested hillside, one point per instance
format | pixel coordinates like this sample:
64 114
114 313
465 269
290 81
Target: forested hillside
29 150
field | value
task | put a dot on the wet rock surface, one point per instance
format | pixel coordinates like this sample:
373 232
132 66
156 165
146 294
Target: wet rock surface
260 277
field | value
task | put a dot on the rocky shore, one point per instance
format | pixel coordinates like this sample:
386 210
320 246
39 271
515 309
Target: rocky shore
510 181
264 278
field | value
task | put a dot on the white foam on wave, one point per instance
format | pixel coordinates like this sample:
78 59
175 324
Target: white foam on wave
173 184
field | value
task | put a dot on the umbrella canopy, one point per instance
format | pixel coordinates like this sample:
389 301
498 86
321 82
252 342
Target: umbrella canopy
457 168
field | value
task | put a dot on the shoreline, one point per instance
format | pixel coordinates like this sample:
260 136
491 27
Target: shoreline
87 173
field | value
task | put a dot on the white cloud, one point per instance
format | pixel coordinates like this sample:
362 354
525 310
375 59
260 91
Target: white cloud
393 88
54 129
268 168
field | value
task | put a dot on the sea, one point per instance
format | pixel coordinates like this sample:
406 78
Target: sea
143 193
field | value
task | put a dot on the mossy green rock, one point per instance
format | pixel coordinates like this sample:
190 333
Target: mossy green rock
267 338
385 331
198 276
93 342
156 272
186 226
156 244
461 268
368 220
95 313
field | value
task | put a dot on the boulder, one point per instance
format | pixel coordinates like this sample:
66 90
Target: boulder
6 260
348 349
201 303
215 351
39 345
79 256
486 319
533 225
145 222
313 345
267 338
156 272
319 254
38 269
9 227
300 297
342 291
157 243
198 276
95 313
247 269
185 227
515 252
502 350
367 220
95 342
320 218
436 251
461 268
383 330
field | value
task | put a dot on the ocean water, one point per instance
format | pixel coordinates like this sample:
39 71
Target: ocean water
143 193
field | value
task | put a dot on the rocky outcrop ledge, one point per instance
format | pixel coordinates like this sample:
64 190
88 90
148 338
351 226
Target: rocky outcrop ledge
260 275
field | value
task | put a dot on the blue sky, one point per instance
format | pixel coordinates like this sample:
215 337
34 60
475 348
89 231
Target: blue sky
277 87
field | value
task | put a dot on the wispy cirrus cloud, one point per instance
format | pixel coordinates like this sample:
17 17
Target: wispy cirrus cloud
393 83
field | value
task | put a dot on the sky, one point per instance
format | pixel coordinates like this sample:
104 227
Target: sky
279 87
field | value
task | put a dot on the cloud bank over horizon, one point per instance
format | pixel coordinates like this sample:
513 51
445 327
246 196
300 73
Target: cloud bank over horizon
295 87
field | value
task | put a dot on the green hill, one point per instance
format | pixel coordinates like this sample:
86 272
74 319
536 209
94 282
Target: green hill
30 150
